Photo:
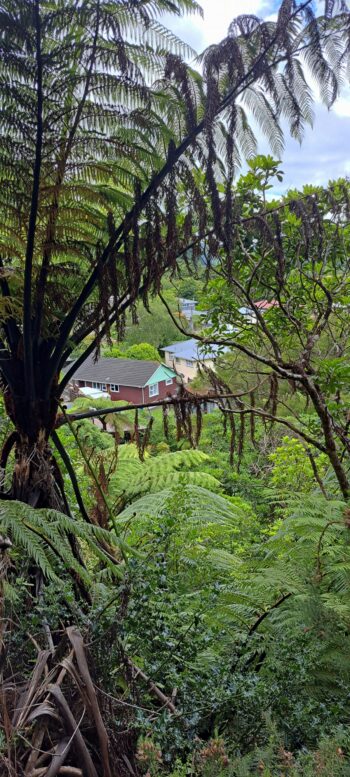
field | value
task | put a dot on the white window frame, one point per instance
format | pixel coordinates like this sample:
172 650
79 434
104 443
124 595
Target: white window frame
103 387
96 385
169 382
189 363
153 390
114 387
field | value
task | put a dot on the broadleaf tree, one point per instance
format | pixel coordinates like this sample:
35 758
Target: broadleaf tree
283 313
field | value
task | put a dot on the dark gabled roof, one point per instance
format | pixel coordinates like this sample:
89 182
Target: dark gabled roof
123 372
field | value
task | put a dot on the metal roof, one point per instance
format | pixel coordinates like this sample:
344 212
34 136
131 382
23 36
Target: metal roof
122 372
192 350
92 393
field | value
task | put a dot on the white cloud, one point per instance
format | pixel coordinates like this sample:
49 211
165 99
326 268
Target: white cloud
218 14
323 155
342 106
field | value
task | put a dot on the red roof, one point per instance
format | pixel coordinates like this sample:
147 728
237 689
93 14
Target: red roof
265 304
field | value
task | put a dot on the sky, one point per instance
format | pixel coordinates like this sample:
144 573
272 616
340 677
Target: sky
325 151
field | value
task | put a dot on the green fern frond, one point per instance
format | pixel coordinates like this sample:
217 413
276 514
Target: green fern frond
133 477
43 536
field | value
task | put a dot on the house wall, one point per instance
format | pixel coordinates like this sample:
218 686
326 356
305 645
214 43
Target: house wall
164 391
183 369
188 310
136 395
127 394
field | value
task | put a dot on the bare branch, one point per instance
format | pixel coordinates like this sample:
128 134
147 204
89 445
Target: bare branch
282 371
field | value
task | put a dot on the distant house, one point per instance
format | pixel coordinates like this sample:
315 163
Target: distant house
131 380
263 305
187 307
185 357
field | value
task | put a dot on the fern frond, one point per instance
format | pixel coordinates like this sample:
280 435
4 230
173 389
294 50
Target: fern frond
43 536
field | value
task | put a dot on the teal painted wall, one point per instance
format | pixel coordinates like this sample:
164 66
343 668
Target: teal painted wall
162 373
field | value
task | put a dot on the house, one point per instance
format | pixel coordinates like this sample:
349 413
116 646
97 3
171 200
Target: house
131 380
263 305
186 356
187 307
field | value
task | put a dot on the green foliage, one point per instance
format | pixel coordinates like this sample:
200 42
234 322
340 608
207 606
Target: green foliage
202 517
262 170
113 351
272 329
142 351
154 326
44 537
242 620
133 477
292 470
128 478
330 758
204 572
334 375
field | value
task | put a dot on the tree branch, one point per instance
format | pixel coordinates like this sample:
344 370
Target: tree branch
265 614
91 347
278 420
82 334
282 371
61 420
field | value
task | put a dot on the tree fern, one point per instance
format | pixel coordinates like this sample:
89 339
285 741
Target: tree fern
202 520
132 478
128 477
43 537
201 503
297 582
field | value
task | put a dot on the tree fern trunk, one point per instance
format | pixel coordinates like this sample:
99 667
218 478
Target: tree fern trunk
35 478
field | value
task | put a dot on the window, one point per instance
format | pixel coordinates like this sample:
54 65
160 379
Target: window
178 360
169 382
96 385
153 390
189 363
103 387
114 387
